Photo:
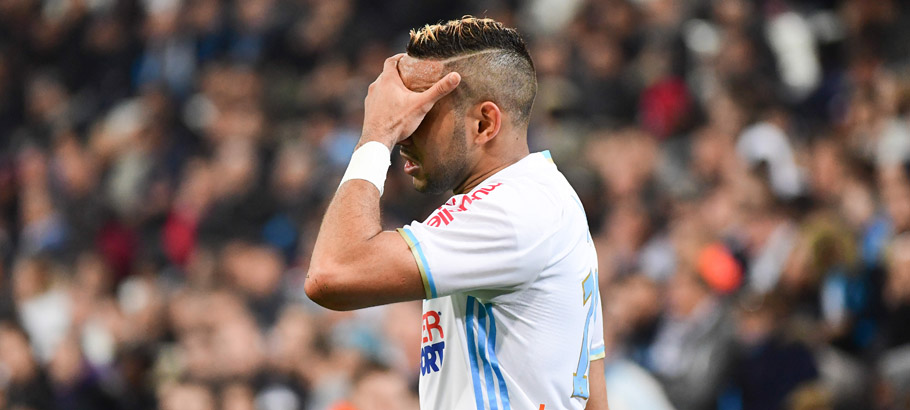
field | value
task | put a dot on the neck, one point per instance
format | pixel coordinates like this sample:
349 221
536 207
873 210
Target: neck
489 166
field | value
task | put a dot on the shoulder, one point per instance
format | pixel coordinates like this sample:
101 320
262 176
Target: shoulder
522 201
486 199
529 197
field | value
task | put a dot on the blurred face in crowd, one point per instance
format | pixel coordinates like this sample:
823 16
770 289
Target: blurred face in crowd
684 294
757 318
237 396
381 391
66 365
898 286
235 166
15 354
857 202
436 153
624 159
291 339
254 269
827 172
628 226
187 397
30 279
895 189
634 302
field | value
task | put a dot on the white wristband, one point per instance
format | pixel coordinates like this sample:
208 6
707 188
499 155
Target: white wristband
370 163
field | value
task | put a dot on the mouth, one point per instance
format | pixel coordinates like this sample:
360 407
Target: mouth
410 165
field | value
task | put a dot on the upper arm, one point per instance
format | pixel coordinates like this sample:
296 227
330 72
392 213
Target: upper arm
480 249
472 246
378 271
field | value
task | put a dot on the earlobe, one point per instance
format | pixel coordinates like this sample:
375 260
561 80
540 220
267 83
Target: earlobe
489 122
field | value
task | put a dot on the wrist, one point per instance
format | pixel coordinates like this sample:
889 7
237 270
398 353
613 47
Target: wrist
366 138
370 162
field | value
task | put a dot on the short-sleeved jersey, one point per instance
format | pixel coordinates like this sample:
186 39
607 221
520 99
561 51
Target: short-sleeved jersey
512 313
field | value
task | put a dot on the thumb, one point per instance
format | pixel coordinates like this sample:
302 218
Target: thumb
442 88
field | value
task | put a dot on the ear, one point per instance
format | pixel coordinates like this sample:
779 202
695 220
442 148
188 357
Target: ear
487 122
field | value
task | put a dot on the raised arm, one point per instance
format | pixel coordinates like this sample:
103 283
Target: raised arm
355 264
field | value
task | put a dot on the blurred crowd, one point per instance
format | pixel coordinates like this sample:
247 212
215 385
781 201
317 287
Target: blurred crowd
164 165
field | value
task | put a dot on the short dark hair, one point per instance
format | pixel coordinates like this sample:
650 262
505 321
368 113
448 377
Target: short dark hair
496 64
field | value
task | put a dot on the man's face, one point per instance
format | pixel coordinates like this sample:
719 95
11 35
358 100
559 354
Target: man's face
436 153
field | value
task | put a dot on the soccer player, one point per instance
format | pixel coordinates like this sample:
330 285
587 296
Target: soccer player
507 268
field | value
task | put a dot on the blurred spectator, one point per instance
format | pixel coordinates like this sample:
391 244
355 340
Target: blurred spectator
894 362
378 388
44 307
897 292
164 166
75 387
186 396
693 349
27 385
771 364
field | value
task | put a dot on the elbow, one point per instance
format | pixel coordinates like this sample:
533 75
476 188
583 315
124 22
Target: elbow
322 286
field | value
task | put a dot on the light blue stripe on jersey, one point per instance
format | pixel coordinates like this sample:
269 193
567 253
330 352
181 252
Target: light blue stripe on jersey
423 261
482 353
600 352
491 342
469 332
482 342
546 154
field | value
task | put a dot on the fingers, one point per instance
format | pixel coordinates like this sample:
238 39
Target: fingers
391 63
389 70
442 88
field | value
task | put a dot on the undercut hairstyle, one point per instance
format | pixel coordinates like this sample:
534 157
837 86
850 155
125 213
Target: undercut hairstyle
492 59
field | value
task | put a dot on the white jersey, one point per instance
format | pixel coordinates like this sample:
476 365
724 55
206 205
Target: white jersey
512 316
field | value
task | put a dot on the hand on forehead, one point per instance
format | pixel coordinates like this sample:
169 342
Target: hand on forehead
419 75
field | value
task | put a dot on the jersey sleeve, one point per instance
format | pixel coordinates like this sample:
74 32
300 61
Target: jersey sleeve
482 248
596 334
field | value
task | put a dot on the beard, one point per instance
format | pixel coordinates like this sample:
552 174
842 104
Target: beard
452 167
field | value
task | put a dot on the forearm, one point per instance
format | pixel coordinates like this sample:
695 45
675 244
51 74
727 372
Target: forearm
351 220
355 264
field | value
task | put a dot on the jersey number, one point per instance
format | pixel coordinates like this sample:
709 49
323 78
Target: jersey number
580 378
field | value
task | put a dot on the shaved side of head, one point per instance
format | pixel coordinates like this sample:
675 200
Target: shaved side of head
493 62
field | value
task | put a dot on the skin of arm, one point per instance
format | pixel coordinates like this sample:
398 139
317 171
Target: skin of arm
598 386
355 264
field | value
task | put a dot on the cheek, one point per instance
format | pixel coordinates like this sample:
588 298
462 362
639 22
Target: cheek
435 134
